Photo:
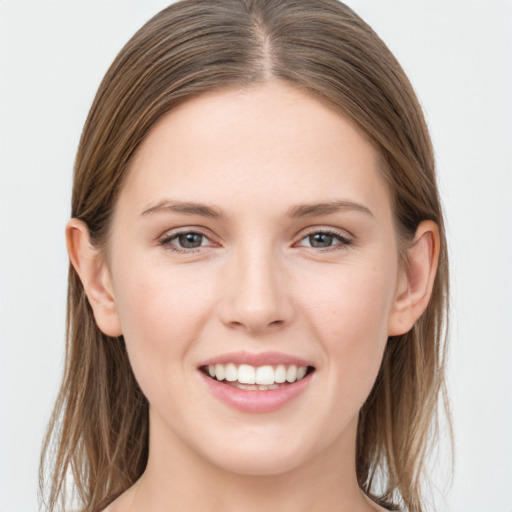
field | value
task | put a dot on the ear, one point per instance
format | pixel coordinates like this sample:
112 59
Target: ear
416 279
91 267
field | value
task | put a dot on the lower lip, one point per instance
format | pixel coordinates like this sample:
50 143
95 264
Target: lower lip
256 401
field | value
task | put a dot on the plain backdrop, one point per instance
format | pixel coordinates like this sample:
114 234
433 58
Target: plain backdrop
458 55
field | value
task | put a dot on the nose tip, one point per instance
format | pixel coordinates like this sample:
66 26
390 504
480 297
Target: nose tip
256 309
256 322
255 297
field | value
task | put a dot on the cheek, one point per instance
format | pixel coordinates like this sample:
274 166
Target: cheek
160 314
351 320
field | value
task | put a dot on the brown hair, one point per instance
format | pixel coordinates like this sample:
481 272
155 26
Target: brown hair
99 428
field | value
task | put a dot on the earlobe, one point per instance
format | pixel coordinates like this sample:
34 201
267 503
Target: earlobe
417 279
91 267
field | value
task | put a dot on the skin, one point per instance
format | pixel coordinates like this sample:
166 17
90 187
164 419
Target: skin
256 283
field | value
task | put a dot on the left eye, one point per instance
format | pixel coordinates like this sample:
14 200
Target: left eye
324 240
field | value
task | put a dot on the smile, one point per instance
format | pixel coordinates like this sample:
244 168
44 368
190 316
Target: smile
257 383
256 378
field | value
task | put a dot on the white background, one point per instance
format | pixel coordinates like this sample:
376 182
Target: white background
458 55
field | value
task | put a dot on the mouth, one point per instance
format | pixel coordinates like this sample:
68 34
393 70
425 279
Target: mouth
257 378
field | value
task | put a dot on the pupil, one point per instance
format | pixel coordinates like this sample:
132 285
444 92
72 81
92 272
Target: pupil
320 240
190 240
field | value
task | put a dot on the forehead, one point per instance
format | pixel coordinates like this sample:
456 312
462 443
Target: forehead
270 145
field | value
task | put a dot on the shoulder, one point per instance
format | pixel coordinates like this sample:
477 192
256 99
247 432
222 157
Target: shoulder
376 507
104 505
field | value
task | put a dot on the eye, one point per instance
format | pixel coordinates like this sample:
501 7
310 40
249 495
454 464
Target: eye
185 241
326 240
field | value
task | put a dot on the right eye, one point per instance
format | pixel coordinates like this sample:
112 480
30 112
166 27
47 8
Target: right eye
185 241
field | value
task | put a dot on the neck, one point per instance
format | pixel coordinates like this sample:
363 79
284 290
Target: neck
177 478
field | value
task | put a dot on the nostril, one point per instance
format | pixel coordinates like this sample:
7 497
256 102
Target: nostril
257 325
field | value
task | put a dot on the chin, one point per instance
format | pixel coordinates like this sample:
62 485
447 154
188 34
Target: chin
265 464
260 453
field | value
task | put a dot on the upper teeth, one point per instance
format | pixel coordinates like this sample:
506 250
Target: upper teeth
265 375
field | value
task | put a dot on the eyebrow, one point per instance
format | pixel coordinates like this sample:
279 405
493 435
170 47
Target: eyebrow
316 209
188 208
298 211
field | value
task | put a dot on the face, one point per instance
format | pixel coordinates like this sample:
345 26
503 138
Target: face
253 242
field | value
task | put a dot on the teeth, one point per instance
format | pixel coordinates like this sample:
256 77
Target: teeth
280 374
220 371
246 374
291 374
301 372
255 387
231 372
265 375
263 378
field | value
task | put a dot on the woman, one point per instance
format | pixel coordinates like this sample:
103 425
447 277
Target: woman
259 279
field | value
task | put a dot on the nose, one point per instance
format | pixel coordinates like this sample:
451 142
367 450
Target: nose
255 293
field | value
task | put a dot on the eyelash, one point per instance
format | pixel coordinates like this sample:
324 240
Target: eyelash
166 242
343 241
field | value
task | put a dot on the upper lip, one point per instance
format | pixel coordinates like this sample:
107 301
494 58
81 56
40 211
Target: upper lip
256 359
